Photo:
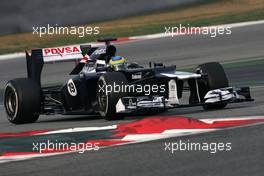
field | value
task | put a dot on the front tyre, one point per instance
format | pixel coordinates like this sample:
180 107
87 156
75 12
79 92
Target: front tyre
22 101
106 98
215 79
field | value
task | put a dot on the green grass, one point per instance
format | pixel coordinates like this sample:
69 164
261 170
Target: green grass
133 31
159 28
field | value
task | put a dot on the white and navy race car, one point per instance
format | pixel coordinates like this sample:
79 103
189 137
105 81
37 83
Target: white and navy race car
106 84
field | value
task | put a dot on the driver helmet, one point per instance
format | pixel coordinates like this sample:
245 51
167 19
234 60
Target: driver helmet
117 63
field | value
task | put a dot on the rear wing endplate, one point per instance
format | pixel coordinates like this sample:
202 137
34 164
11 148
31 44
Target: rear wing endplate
37 58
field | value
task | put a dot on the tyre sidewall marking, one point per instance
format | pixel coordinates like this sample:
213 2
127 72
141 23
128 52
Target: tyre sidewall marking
106 107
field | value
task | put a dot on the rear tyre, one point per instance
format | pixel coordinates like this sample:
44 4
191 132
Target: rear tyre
107 101
216 78
22 101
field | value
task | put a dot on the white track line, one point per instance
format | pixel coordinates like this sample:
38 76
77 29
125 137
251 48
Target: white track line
80 129
232 25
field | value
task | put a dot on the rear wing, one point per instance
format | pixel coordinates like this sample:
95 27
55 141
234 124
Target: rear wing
37 58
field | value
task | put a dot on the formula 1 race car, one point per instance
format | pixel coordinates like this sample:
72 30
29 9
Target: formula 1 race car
104 84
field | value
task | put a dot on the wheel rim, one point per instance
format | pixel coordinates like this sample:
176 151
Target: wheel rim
11 102
102 97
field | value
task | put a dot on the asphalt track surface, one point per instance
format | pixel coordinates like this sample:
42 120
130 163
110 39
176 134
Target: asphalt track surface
245 158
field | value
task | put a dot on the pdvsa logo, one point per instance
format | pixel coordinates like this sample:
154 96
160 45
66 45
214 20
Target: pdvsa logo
61 50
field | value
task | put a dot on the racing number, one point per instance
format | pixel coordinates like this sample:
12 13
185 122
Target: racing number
71 88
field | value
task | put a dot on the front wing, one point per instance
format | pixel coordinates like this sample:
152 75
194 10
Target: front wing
217 96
